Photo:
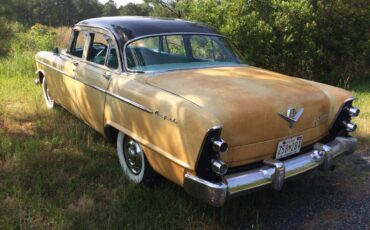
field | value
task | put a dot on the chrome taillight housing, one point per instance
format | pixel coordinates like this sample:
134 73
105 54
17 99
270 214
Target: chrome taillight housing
219 167
352 111
209 165
219 145
350 126
343 124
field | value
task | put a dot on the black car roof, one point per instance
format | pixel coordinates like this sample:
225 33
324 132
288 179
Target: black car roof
126 28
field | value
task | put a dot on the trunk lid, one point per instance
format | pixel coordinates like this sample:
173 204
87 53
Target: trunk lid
247 100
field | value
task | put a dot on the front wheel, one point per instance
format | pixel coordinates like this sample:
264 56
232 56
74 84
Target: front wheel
133 161
48 100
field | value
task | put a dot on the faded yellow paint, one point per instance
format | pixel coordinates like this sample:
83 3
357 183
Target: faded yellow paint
245 100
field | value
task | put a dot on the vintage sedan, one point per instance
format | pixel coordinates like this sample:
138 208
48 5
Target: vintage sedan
179 101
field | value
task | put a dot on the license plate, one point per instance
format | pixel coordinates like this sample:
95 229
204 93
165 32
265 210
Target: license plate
288 147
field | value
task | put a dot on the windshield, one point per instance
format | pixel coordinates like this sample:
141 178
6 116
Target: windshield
171 52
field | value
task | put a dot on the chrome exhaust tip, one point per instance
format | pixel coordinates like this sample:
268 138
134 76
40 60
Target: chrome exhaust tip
353 111
219 167
350 127
219 145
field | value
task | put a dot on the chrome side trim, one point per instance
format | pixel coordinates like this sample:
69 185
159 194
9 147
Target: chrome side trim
272 173
128 101
54 68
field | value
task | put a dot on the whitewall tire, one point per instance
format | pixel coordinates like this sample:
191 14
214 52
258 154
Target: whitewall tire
132 159
48 100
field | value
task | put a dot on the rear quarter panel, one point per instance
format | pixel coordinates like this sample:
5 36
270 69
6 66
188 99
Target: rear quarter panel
337 97
172 147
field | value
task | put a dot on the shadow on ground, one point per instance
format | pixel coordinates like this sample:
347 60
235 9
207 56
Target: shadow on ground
338 200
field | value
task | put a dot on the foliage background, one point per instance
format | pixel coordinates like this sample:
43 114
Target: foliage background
327 41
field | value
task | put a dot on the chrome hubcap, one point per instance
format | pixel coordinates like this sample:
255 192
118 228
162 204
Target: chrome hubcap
133 156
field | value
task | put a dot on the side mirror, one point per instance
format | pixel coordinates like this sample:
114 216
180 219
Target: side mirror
56 51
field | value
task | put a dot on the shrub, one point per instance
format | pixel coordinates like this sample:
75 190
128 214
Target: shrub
38 37
326 41
24 45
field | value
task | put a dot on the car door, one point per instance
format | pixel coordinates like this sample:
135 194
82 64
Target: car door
93 77
72 57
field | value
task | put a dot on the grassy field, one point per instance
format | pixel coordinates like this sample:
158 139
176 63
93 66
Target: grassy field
55 172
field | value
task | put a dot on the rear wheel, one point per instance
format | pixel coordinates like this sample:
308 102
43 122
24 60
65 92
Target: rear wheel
48 100
133 161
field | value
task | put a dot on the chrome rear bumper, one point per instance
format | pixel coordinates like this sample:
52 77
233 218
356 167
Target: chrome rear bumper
273 173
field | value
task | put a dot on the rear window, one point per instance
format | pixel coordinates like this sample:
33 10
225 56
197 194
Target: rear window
171 52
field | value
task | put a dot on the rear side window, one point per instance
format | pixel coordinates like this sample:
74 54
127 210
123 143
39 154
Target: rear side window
103 51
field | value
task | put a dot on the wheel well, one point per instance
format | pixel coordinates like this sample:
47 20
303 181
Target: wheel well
40 75
110 133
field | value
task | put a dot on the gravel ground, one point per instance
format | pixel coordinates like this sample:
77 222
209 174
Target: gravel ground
335 200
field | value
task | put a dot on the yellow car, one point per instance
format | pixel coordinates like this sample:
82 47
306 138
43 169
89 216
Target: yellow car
179 101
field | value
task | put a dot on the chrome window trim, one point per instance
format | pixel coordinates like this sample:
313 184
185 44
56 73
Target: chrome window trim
86 43
119 97
105 65
160 34
192 68
112 37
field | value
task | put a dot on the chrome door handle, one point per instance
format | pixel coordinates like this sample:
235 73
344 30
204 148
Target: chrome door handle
107 75
75 63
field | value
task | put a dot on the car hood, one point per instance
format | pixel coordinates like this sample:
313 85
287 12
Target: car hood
247 101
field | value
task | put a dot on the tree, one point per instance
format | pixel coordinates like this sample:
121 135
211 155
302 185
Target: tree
110 9
321 40
54 12
85 9
167 8
5 30
132 9
343 39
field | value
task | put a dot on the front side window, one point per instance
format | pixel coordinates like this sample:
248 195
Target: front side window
171 52
78 43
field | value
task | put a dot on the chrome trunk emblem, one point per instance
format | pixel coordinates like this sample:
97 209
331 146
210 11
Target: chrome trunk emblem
292 116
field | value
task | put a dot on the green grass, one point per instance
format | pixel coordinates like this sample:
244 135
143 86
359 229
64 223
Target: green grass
361 91
56 172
